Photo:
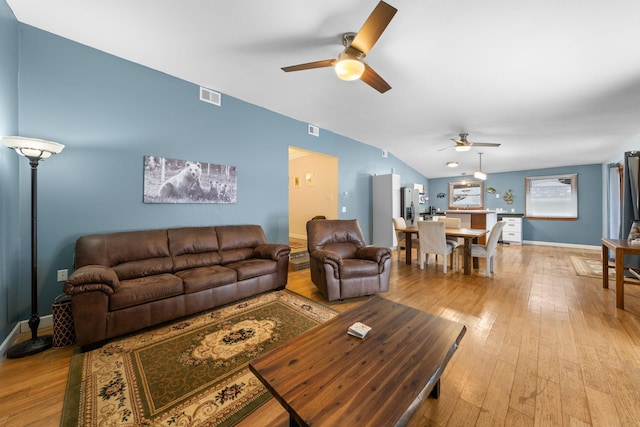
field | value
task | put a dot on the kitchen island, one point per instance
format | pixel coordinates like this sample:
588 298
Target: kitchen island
475 219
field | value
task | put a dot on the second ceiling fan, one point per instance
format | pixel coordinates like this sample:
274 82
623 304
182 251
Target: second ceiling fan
463 144
350 65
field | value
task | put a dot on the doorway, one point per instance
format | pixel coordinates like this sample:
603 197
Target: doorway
313 190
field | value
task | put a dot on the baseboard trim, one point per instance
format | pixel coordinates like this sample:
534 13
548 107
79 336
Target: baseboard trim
22 327
562 245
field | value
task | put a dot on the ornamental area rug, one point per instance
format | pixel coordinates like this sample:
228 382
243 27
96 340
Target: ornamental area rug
193 372
592 267
587 267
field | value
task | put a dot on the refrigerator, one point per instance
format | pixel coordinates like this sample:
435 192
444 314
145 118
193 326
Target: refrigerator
410 205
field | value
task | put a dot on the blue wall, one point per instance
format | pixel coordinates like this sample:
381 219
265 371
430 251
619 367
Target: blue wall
586 230
110 113
10 272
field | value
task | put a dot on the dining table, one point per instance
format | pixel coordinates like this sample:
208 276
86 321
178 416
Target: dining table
469 235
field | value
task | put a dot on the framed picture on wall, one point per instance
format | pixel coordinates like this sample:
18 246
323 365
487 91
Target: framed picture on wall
185 181
308 178
466 195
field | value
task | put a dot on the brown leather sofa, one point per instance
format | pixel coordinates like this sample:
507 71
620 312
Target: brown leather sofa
131 280
341 264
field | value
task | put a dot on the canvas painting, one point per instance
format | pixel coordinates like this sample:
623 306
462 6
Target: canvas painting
186 181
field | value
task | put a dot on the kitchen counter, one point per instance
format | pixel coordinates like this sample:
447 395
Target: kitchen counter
470 211
481 219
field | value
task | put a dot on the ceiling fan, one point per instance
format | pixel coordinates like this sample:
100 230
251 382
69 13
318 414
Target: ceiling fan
350 65
463 144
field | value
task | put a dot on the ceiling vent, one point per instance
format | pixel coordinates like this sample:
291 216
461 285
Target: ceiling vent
212 97
314 130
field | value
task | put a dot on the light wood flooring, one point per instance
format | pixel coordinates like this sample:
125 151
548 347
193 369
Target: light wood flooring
543 347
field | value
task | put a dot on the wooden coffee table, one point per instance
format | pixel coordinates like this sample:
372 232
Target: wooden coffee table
326 377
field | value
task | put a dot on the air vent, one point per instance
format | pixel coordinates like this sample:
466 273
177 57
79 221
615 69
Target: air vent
314 130
207 95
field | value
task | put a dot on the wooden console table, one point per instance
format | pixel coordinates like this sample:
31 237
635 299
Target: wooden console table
620 248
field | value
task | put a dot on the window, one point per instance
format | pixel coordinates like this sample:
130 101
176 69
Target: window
551 197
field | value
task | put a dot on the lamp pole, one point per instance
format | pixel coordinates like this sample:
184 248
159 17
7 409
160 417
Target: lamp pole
34 150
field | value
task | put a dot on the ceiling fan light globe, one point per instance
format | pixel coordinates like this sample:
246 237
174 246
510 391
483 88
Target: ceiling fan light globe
462 148
349 68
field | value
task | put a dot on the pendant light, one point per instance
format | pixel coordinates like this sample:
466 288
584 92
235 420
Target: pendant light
478 174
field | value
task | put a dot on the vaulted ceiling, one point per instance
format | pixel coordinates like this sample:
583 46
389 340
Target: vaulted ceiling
555 82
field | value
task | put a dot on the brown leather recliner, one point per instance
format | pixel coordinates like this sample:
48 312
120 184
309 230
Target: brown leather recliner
341 264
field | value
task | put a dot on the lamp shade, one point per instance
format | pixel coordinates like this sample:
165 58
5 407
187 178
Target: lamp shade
462 147
32 148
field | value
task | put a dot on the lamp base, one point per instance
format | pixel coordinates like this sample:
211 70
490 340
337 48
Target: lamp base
29 347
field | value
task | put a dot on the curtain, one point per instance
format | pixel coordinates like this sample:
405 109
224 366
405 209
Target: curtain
630 206
614 231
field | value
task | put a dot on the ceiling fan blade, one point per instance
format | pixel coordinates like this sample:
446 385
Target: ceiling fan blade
374 80
309 65
484 144
373 27
445 148
458 142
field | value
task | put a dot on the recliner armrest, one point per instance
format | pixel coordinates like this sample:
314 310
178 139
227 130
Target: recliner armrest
328 257
92 278
378 254
273 251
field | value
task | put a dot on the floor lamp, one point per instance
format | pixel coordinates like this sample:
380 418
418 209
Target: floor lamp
34 150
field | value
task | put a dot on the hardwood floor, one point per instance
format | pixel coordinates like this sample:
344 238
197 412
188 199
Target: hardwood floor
543 347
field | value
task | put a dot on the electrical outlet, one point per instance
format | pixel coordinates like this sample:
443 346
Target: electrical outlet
62 275
344 209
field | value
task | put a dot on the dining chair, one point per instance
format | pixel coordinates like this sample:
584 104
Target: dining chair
488 251
433 241
399 222
451 223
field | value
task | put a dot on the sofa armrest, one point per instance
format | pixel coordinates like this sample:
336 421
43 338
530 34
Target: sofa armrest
92 278
273 251
374 253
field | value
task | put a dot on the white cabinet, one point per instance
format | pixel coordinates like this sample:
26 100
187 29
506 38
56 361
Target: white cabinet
386 205
512 231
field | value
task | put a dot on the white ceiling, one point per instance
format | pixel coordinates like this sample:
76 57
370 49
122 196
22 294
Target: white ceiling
555 82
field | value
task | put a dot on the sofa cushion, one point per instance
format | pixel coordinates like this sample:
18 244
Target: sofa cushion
254 267
198 279
346 250
145 289
235 255
237 242
142 268
131 253
358 268
193 247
